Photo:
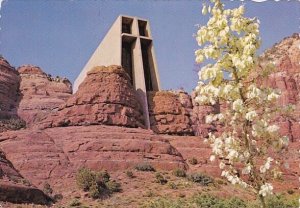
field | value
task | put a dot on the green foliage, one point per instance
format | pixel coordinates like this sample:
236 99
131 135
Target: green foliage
200 178
96 191
172 185
193 161
75 203
179 173
163 203
113 186
12 123
277 201
197 201
129 174
85 178
160 179
98 184
103 176
47 188
144 167
210 201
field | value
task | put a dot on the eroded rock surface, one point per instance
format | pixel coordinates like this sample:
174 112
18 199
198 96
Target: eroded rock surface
105 97
40 93
170 113
14 188
54 154
9 89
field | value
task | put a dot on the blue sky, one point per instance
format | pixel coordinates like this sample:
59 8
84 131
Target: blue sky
60 35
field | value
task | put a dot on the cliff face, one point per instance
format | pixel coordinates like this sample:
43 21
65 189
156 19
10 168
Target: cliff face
105 97
40 93
9 90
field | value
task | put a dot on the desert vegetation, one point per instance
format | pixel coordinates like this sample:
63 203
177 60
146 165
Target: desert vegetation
97 184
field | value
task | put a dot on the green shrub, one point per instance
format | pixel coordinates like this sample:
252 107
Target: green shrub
103 176
193 161
129 174
85 178
179 173
172 185
75 203
47 189
200 178
160 179
144 167
57 197
279 201
96 191
97 184
113 186
13 123
211 201
163 203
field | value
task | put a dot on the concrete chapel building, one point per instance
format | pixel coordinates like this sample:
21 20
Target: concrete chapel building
128 43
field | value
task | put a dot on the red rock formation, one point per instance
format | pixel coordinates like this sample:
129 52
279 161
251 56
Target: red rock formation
105 97
54 154
9 86
169 113
14 188
40 93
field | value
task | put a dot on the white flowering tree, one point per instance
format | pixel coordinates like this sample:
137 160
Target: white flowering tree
247 144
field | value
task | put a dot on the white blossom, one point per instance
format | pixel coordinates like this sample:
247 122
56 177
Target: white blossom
229 43
251 115
266 189
266 166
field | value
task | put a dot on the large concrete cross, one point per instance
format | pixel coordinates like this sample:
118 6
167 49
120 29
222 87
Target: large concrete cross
128 43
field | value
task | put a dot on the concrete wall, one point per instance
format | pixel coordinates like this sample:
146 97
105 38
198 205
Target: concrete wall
107 53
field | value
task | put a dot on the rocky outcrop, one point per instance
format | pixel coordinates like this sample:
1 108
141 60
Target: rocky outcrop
9 97
105 97
9 89
170 113
14 188
55 154
40 93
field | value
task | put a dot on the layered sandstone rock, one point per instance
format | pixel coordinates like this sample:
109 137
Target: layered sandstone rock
105 97
55 154
9 97
170 113
40 93
9 89
14 188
